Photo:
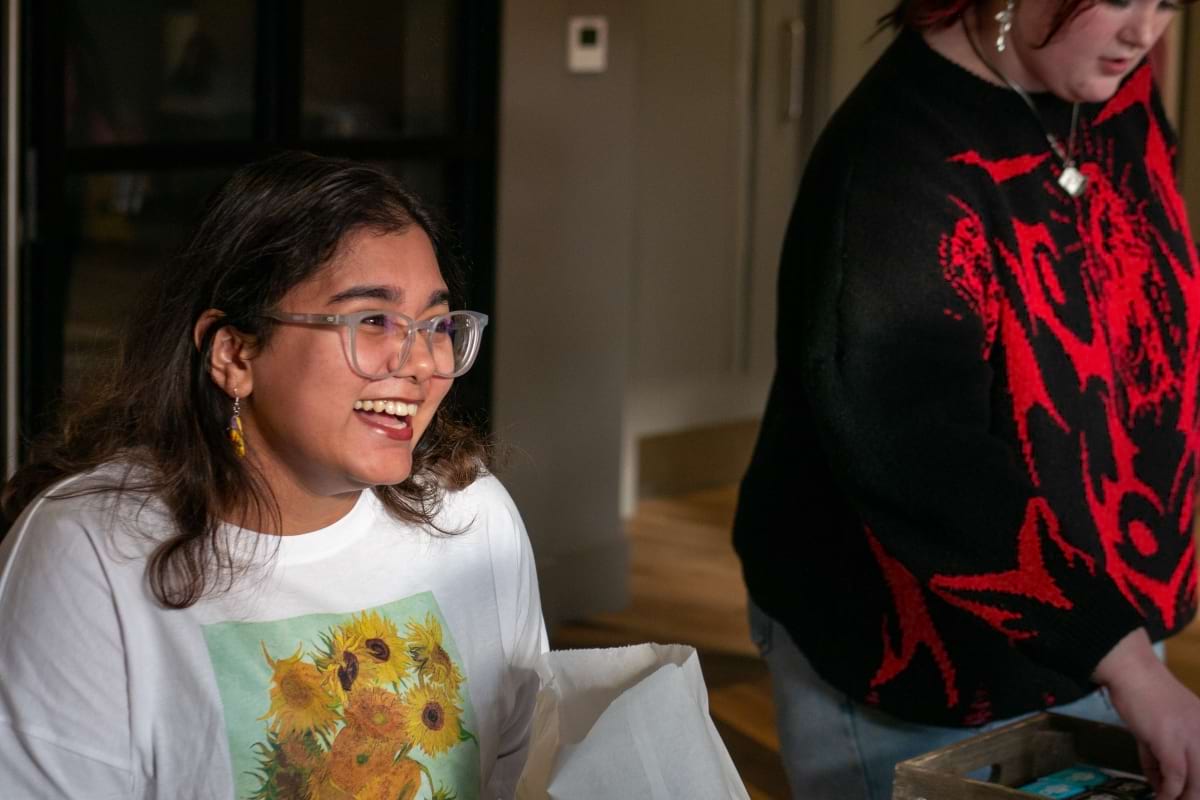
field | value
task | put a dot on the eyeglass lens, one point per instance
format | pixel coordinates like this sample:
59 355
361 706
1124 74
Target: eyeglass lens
452 343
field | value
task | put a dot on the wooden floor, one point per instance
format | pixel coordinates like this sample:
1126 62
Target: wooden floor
686 587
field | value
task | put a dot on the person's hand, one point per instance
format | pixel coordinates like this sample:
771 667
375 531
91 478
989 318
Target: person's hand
1162 713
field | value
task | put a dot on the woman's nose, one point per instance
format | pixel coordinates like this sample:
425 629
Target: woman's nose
1144 25
419 362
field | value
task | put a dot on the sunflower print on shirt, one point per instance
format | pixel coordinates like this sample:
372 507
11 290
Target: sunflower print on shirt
365 705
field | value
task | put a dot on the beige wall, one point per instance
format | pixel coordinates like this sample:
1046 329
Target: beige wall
564 245
688 191
853 49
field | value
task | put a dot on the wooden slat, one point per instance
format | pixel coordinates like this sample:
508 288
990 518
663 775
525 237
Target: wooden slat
1016 754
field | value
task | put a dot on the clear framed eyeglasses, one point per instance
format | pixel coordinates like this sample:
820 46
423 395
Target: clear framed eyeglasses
378 342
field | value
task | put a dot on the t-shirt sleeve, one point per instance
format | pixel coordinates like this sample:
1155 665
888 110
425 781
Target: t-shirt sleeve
63 696
900 365
523 632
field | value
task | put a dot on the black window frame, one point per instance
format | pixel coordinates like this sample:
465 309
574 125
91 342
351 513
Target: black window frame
467 155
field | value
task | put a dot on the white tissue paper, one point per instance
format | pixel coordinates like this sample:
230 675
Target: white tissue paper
626 722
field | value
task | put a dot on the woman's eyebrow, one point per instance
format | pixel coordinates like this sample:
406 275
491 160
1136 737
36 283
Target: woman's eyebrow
388 294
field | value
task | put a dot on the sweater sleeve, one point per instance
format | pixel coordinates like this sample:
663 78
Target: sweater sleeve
63 699
905 364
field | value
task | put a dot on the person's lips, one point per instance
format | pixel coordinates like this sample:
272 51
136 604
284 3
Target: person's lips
1116 66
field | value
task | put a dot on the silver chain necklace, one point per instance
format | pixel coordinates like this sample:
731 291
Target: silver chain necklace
1072 181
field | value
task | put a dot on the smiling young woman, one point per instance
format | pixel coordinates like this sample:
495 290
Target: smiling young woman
984 423
275 563
313 448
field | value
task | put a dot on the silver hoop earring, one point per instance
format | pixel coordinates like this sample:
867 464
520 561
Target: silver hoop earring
1005 18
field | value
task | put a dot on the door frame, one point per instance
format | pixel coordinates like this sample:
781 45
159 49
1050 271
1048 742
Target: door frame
10 237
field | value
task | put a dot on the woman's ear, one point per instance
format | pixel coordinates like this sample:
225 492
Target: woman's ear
230 354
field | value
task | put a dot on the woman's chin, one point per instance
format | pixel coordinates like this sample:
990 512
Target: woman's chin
397 470
1097 90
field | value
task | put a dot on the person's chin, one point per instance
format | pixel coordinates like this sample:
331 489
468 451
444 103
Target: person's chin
1098 90
394 469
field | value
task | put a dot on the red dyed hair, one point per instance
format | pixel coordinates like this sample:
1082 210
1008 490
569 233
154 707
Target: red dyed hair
924 15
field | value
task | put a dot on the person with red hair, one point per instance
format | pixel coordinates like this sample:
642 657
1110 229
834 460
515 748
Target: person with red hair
974 490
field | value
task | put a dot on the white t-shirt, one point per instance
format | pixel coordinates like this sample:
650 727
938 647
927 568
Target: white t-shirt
363 658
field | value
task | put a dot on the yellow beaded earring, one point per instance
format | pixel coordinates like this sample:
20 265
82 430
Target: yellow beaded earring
237 435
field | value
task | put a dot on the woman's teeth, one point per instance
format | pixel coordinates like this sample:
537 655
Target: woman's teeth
395 408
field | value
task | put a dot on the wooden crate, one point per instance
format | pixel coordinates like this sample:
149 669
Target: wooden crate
1017 754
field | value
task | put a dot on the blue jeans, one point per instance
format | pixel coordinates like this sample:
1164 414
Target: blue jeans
834 748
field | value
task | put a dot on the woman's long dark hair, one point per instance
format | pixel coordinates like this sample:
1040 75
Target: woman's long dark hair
273 225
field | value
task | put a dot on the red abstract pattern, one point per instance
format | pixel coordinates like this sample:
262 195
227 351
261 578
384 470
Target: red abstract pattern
916 627
1029 578
1136 352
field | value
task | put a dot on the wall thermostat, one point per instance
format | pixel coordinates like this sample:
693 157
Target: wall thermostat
587 44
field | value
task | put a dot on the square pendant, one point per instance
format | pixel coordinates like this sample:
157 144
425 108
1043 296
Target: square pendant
1072 181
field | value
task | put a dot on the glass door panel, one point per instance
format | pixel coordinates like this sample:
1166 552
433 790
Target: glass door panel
128 226
147 71
378 70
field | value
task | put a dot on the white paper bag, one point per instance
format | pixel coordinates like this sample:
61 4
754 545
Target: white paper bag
626 722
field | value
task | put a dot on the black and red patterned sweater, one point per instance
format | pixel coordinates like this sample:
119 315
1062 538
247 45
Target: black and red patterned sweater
977 467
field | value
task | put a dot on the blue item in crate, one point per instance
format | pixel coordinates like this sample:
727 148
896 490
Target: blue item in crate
1069 782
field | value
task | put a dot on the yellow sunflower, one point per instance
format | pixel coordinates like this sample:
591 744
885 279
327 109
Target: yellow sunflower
433 663
299 701
355 758
381 647
441 669
378 713
420 640
300 750
341 667
399 781
321 786
432 719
